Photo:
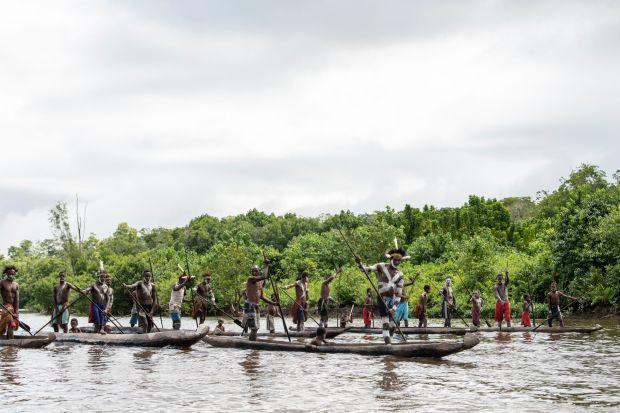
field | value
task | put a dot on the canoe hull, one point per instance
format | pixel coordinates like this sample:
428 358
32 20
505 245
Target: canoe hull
331 333
28 341
407 350
177 338
411 330
552 330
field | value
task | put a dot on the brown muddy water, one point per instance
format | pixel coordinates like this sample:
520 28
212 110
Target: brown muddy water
510 372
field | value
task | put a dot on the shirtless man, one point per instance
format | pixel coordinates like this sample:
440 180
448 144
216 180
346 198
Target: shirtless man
323 303
390 282
367 314
402 310
448 303
553 297
203 290
502 304
9 290
253 295
146 295
420 308
61 300
100 297
300 306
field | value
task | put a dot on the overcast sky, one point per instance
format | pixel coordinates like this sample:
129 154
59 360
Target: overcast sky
156 112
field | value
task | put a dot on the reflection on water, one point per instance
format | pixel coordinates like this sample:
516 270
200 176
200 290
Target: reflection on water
518 371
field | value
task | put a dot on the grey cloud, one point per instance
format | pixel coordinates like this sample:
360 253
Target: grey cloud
19 200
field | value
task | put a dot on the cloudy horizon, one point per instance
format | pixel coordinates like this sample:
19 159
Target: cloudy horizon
157 112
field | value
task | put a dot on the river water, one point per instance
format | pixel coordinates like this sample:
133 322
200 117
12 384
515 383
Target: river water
514 372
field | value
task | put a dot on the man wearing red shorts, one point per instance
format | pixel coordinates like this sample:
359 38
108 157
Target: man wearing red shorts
502 304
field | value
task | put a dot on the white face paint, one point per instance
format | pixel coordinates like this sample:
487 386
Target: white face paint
395 263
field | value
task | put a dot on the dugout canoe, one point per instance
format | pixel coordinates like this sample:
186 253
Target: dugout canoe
28 341
173 338
434 349
331 333
406 330
544 329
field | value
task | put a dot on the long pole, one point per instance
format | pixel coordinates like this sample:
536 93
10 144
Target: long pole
235 320
191 290
146 313
57 316
24 326
361 267
161 320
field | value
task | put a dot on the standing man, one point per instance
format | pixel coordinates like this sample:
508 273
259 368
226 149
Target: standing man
204 289
554 305
60 315
146 295
176 299
323 303
99 294
9 289
448 302
253 295
419 310
502 304
367 314
390 282
402 311
300 306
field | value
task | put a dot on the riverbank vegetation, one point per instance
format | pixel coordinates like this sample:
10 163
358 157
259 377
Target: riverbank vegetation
570 234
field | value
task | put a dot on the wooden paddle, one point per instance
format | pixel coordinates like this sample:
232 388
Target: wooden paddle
113 319
235 320
23 325
191 290
361 267
59 315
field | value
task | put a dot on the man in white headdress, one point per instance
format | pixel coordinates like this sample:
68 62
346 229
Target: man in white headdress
448 302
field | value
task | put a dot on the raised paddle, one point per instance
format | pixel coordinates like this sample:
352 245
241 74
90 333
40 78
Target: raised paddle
57 316
161 320
361 267
297 302
23 325
274 286
471 295
135 300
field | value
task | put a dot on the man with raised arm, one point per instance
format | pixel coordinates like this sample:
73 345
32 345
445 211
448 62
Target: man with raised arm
60 315
390 282
100 296
253 295
9 289
323 303
502 304
146 295
553 297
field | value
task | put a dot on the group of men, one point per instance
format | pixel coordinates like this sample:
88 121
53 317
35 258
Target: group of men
392 302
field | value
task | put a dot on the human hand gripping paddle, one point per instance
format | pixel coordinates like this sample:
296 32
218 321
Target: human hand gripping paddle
361 267
274 287
299 304
23 325
113 319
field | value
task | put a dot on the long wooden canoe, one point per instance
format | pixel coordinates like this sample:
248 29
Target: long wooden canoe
544 329
331 333
174 338
412 330
28 341
419 349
